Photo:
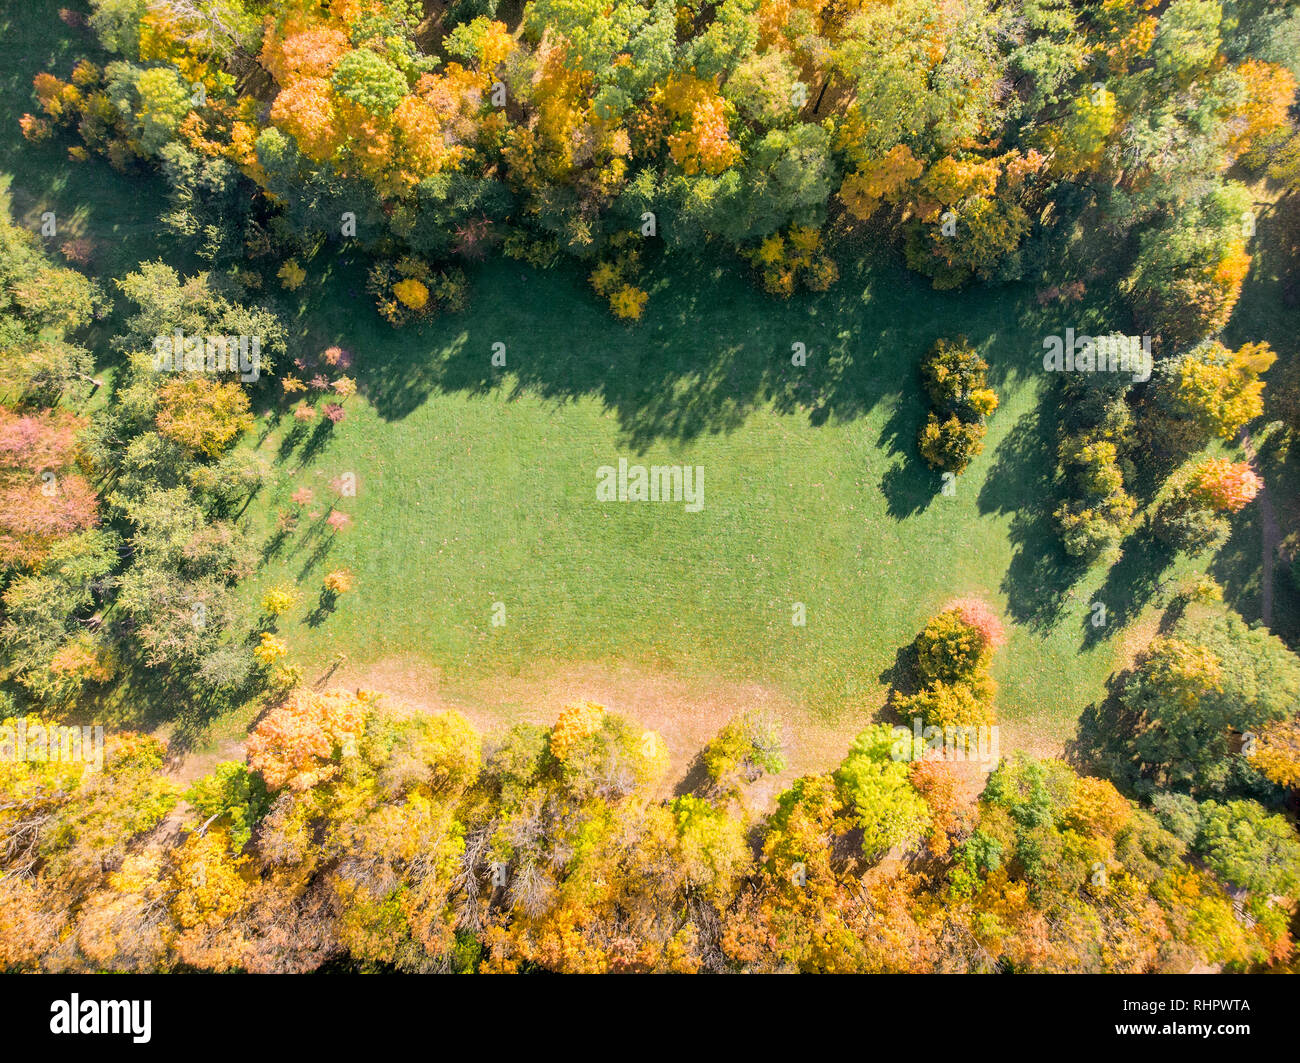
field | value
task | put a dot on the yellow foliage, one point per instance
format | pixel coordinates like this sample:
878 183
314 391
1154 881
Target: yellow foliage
1097 808
307 112
412 293
1270 90
1277 752
340 581
210 885
871 184
279 600
292 275
576 722
302 742
628 302
270 649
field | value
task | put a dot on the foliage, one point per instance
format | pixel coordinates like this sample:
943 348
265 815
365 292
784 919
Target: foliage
955 379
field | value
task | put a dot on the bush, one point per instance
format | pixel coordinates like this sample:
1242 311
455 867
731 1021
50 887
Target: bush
954 376
961 704
950 650
748 747
953 652
950 445
1185 526
1228 486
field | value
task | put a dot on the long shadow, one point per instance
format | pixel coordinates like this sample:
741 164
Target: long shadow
315 442
909 488
911 485
1238 565
318 554
1101 744
144 697
696 780
900 676
325 605
1132 583
1022 481
710 350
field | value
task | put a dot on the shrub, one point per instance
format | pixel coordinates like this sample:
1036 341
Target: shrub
967 703
413 294
628 302
953 652
976 613
1226 485
292 275
269 650
955 379
745 749
950 445
949 649
1093 531
340 581
279 600
1185 526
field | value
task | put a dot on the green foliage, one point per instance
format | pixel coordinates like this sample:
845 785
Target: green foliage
878 793
369 81
1188 270
232 797
1096 438
1192 692
1255 851
748 747
40 306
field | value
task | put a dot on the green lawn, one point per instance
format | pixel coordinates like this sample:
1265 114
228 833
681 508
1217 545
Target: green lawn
477 485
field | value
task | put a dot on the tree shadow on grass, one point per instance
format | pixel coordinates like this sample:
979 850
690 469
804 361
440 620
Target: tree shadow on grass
273 545
911 485
901 677
1238 565
315 442
1131 584
325 605
323 545
1102 744
289 442
1022 481
710 349
144 697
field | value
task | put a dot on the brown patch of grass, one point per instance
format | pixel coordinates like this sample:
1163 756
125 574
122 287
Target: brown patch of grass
686 711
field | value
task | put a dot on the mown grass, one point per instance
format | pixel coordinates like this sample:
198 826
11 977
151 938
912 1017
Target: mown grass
477 485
